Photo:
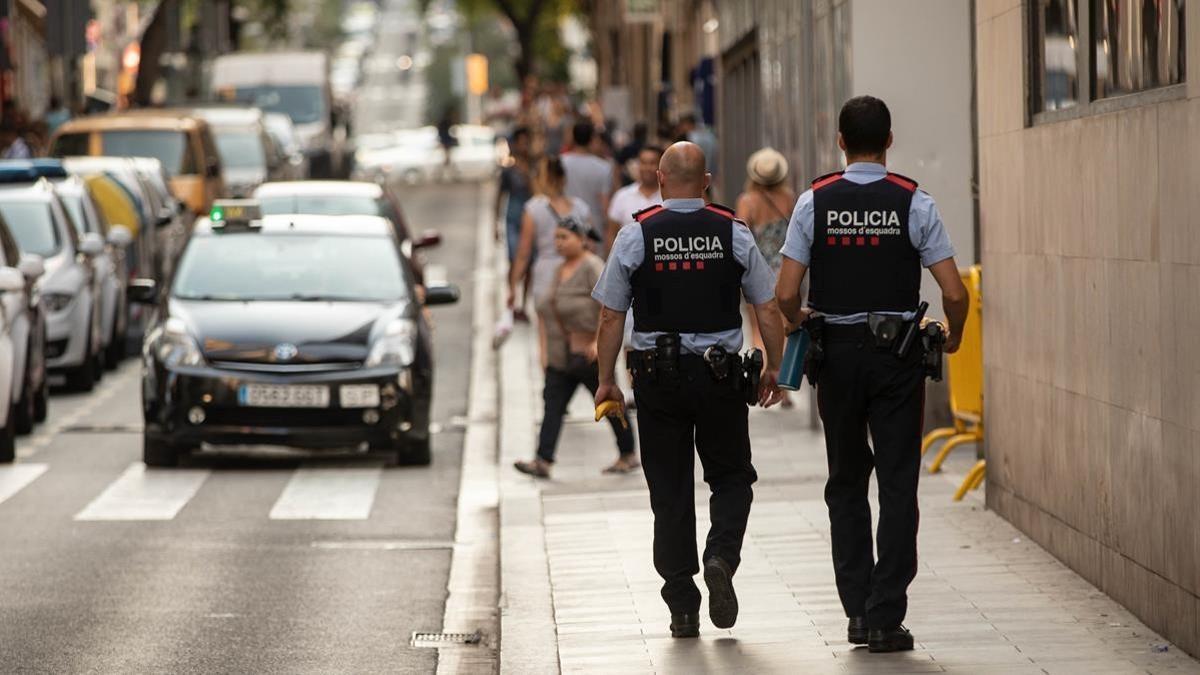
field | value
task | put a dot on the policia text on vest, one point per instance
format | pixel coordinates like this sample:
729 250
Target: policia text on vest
684 267
864 234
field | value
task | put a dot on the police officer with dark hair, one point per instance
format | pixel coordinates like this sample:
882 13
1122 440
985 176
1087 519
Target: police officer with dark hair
684 266
865 234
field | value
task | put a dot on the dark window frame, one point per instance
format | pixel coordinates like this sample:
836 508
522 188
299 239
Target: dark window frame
1088 104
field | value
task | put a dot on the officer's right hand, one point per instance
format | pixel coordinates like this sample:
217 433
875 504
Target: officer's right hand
953 340
769 392
609 391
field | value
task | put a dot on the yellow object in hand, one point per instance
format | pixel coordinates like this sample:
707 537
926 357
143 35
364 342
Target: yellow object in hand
612 409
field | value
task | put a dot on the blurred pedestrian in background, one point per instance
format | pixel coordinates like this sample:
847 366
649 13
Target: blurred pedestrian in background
589 176
689 128
571 317
636 196
14 147
537 258
57 114
766 206
516 187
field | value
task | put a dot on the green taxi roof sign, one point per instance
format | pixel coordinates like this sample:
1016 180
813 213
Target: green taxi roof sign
227 213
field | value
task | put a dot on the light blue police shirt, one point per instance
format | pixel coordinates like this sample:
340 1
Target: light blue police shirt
925 230
615 290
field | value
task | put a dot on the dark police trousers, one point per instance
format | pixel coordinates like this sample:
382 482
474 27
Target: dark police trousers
675 422
861 388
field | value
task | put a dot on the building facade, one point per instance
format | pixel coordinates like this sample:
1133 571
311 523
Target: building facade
1091 252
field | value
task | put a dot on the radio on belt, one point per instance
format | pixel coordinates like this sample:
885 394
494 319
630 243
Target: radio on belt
230 214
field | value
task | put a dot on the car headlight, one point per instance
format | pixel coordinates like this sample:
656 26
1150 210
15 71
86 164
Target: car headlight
396 347
173 346
57 302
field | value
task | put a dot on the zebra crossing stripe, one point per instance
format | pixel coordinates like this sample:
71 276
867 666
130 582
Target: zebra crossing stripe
328 493
139 494
14 477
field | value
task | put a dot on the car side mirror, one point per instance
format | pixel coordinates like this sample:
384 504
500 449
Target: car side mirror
119 236
11 280
213 170
91 245
143 291
428 239
165 216
32 267
441 294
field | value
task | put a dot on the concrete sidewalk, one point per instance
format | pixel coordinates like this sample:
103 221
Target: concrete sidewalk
579 592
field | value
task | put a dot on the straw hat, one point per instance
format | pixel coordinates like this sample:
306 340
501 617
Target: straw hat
767 167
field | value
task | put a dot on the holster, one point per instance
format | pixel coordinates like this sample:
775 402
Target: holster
815 356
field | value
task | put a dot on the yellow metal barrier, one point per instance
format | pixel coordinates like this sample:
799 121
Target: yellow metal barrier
965 373
973 480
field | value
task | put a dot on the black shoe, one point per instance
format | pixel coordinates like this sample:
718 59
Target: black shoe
896 639
722 601
685 624
856 631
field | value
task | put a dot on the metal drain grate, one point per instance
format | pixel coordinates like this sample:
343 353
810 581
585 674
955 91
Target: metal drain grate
435 640
102 429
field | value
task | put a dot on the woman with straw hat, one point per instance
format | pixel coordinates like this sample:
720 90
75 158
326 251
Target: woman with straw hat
766 206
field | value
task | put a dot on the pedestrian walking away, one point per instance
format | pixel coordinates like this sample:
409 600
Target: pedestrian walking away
865 234
683 267
765 206
590 177
570 314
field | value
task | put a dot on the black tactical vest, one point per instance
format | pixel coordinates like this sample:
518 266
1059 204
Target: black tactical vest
862 257
689 280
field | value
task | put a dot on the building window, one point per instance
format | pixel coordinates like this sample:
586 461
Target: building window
1059 39
1139 45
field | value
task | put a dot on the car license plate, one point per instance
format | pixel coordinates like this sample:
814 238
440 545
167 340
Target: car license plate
283 396
359 395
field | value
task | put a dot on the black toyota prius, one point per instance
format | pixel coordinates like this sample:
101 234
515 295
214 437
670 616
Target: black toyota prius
303 331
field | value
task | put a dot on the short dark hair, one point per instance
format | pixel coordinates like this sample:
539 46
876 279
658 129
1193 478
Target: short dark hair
582 133
865 123
656 149
518 133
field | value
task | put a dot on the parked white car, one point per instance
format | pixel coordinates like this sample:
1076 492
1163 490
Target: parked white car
41 226
111 272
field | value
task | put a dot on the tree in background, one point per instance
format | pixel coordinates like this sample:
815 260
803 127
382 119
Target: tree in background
536 25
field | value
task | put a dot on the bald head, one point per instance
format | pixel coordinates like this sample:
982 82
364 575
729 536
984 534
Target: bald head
681 171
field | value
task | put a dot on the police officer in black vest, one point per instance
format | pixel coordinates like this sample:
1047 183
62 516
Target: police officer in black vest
684 266
865 234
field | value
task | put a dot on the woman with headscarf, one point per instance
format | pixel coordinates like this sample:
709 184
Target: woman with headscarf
570 317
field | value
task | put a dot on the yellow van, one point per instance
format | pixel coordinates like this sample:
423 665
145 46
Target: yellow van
181 141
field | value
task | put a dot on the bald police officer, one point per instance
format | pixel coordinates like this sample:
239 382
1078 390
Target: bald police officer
865 233
684 267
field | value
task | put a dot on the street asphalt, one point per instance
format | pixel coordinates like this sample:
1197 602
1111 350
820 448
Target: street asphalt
242 571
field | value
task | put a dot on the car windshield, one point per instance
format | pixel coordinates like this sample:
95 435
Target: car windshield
32 226
321 205
241 150
74 204
299 267
305 104
168 147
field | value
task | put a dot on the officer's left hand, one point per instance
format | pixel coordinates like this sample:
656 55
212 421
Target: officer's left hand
769 392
